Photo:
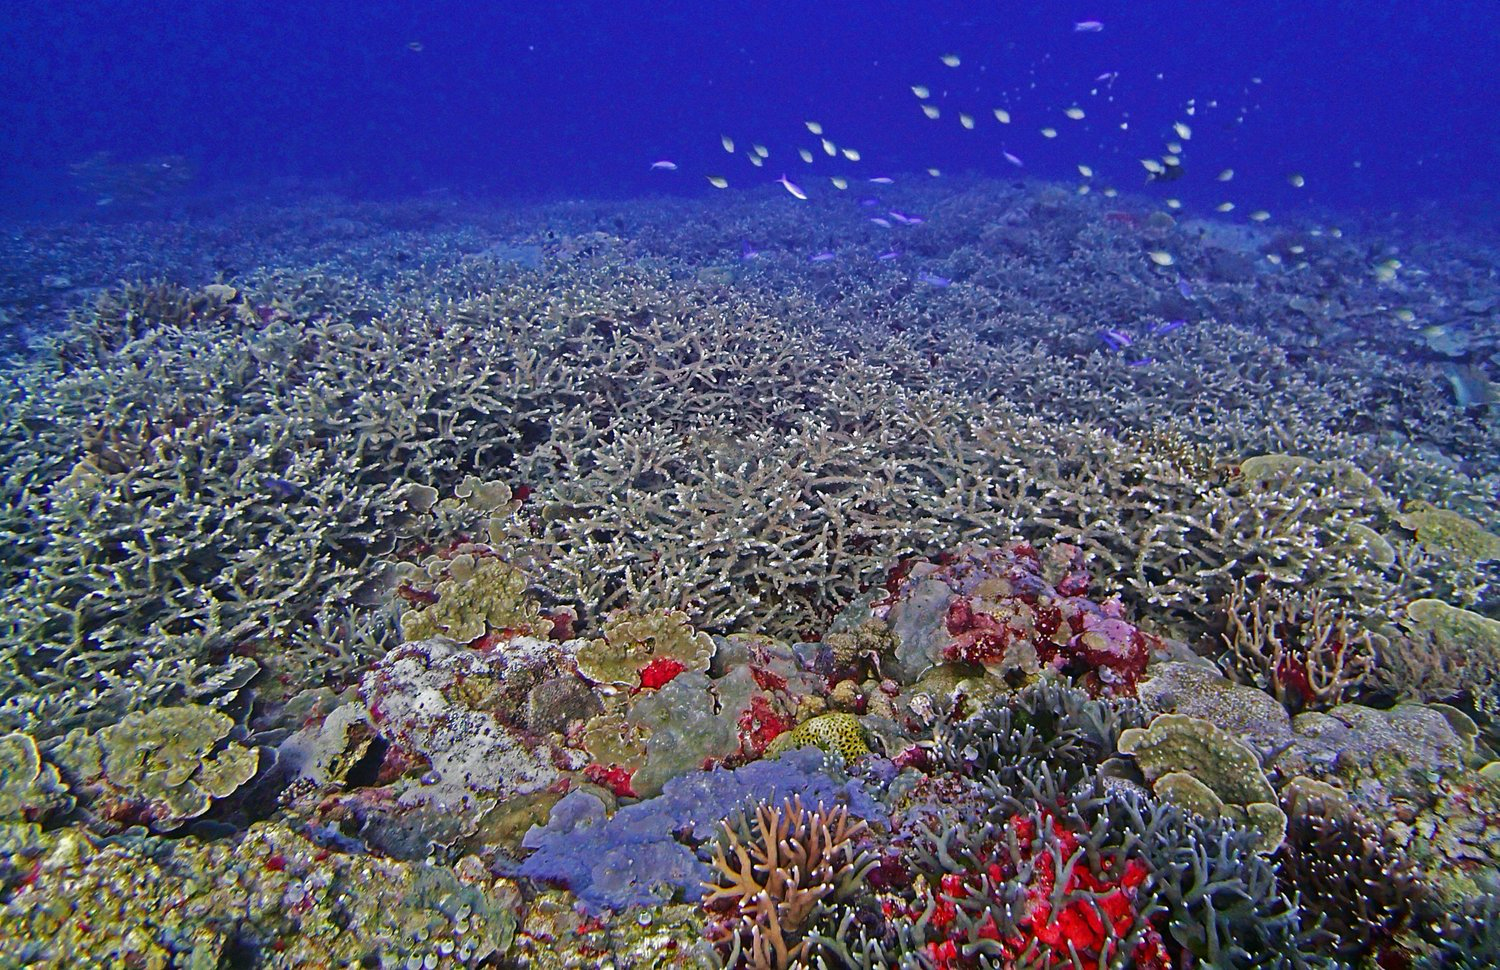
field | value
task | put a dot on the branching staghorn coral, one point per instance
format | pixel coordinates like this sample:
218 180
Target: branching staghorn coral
1298 646
777 876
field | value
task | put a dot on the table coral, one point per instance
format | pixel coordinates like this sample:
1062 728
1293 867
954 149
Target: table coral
159 767
1449 533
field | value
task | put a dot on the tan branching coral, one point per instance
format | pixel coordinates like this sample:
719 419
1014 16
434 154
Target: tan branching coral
777 876
1300 647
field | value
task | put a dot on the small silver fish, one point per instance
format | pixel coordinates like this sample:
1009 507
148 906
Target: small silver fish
1088 27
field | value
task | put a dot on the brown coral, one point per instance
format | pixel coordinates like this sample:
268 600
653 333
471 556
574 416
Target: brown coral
1299 646
777 877
1351 874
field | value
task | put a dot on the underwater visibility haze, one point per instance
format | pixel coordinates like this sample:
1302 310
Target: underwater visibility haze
769 485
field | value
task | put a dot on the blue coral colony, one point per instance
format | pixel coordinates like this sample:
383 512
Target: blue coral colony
851 568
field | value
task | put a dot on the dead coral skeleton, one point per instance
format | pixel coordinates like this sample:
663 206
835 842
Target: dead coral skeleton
1301 647
774 878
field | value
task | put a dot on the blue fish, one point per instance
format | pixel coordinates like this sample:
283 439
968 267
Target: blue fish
282 488
1116 339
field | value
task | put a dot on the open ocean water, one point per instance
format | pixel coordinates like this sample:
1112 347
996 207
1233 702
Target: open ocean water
769 485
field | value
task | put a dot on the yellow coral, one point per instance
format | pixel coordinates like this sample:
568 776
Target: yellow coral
475 595
1446 532
1211 771
633 640
839 734
170 763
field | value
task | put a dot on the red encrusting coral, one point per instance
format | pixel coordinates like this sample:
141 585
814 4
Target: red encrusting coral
659 673
1101 909
759 725
1003 598
613 777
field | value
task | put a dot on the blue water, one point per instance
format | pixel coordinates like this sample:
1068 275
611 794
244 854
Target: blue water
1379 105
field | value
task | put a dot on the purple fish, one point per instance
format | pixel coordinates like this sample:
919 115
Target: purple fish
888 254
869 200
1184 288
934 280
748 251
822 257
1142 362
1116 339
1161 329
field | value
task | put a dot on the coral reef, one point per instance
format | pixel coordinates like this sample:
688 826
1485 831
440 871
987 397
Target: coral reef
643 853
269 896
526 553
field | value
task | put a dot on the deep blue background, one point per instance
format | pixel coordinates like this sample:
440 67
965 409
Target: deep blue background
545 99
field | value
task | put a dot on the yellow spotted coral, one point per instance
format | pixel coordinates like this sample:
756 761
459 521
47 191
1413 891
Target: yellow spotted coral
839 734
